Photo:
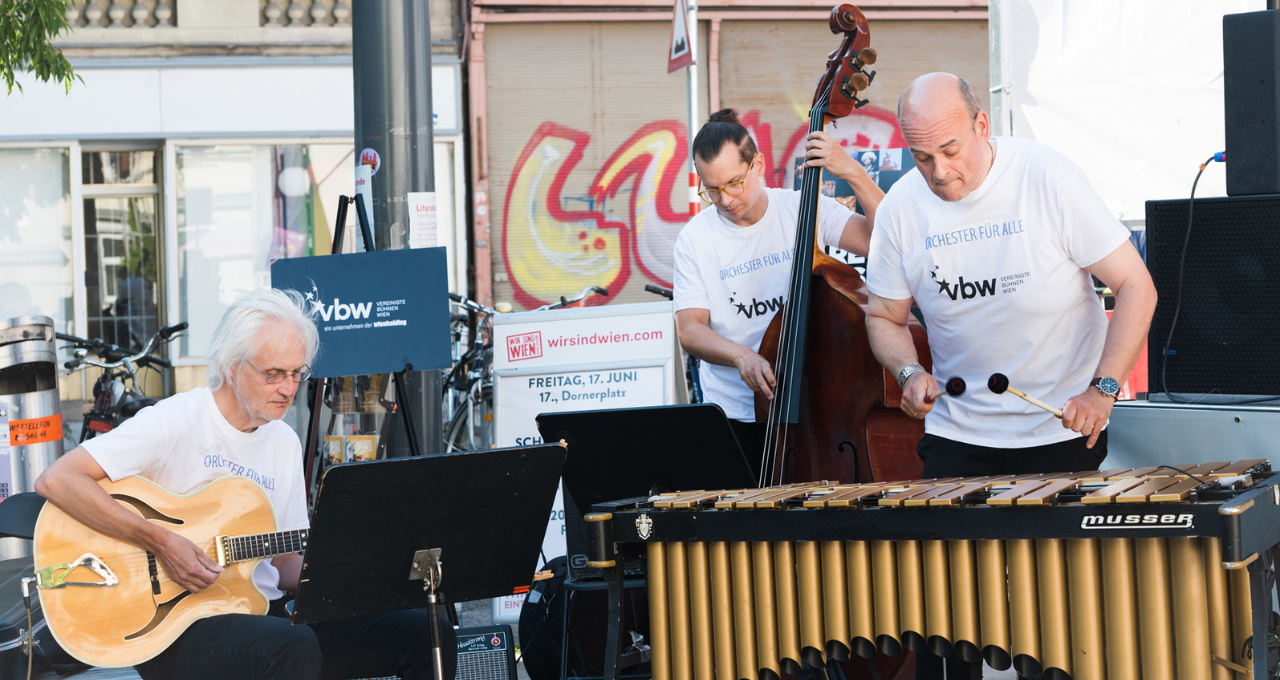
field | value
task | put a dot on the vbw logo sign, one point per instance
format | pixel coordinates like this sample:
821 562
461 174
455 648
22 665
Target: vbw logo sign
757 307
339 311
963 290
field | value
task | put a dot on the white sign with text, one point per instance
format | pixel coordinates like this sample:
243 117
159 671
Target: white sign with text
619 356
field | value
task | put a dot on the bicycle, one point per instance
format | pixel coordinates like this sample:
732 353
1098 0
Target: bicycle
691 363
117 395
468 388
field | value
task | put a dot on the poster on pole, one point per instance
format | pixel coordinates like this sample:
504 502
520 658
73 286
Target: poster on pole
678 53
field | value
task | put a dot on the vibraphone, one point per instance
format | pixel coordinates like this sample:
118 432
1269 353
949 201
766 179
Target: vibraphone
1121 574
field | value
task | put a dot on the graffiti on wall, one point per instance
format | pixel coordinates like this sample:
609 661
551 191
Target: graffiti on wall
557 240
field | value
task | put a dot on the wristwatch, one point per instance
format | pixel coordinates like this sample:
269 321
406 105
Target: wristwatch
1109 387
906 372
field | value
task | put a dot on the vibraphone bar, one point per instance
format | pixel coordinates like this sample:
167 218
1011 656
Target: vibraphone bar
1149 573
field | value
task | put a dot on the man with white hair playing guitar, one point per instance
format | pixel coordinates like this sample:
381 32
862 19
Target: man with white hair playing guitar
257 361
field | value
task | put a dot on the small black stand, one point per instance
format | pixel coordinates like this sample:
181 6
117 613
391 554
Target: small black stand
624 453
383 529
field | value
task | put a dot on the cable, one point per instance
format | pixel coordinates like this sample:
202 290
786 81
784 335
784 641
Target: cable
1182 472
31 634
1219 157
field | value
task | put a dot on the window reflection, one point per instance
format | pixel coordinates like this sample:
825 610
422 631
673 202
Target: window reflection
121 269
239 208
118 167
35 235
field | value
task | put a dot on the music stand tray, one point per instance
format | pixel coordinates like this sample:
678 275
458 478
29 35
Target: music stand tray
486 511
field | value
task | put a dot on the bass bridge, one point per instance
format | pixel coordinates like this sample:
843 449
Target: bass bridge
55 576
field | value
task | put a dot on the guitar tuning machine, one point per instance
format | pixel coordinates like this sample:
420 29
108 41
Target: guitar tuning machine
859 103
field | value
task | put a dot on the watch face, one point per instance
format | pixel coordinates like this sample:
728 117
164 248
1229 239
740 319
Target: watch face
1109 386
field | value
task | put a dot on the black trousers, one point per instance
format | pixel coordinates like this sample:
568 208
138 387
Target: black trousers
250 647
948 458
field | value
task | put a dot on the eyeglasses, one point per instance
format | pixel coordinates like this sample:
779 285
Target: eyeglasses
712 194
276 377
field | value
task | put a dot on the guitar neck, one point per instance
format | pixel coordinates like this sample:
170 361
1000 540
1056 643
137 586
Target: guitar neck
261 546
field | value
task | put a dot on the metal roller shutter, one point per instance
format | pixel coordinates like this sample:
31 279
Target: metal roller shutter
586 135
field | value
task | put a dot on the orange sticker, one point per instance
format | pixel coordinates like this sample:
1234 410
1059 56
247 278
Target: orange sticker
520 590
35 430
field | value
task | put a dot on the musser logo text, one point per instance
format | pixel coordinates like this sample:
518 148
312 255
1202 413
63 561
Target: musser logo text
1137 521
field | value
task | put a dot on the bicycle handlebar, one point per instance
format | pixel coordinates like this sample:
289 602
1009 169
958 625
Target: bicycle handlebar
114 356
659 290
168 331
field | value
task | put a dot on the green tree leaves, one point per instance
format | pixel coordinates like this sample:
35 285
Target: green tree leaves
27 29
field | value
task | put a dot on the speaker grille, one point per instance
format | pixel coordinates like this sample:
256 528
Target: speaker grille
1227 340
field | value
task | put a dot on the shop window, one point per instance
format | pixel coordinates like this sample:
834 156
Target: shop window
239 208
35 235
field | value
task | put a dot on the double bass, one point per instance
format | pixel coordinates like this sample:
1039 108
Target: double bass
835 413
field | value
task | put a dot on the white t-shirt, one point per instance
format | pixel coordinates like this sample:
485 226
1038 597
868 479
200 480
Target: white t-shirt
184 442
742 276
999 278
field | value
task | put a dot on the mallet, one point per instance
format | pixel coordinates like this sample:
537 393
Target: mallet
999 382
955 387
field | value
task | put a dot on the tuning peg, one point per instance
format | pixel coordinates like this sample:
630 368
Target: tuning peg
871 77
860 81
867 55
859 103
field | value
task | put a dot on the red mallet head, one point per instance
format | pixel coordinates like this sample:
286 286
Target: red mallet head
998 383
956 386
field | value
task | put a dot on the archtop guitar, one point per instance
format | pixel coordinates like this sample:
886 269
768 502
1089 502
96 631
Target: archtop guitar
110 603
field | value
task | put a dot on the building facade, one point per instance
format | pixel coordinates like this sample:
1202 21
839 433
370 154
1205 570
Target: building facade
207 139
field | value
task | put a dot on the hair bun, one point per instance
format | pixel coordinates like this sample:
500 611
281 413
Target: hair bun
724 116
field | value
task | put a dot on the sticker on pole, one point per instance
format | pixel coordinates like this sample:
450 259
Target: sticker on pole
35 430
678 54
370 157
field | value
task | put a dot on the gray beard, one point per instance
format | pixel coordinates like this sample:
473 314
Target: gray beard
244 404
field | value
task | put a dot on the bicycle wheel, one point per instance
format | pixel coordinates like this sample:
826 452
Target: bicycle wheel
457 433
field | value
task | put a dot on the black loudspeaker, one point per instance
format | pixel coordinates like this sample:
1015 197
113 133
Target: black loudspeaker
1251 62
1227 338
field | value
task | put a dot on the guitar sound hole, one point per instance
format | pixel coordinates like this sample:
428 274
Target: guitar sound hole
162 612
145 509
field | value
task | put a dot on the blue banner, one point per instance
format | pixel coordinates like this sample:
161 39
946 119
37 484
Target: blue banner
376 312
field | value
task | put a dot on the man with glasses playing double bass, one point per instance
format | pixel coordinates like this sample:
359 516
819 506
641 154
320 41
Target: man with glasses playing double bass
732 263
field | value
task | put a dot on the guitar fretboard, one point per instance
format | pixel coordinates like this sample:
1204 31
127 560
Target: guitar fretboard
257 546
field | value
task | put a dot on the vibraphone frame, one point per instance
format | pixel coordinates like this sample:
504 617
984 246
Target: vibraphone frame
1247 526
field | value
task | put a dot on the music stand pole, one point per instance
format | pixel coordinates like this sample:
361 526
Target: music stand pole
427 566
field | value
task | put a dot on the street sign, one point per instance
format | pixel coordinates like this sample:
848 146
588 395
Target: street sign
679 54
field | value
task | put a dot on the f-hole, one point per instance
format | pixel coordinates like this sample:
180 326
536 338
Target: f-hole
853 451
145 509
162 612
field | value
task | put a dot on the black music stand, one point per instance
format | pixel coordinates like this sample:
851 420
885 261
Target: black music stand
629 452
382 529
624 453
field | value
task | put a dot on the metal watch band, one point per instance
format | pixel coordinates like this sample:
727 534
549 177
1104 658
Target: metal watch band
906 372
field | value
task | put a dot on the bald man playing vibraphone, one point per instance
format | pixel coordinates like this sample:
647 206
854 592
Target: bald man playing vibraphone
995 240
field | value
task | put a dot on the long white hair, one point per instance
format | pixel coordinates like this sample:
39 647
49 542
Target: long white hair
238 336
